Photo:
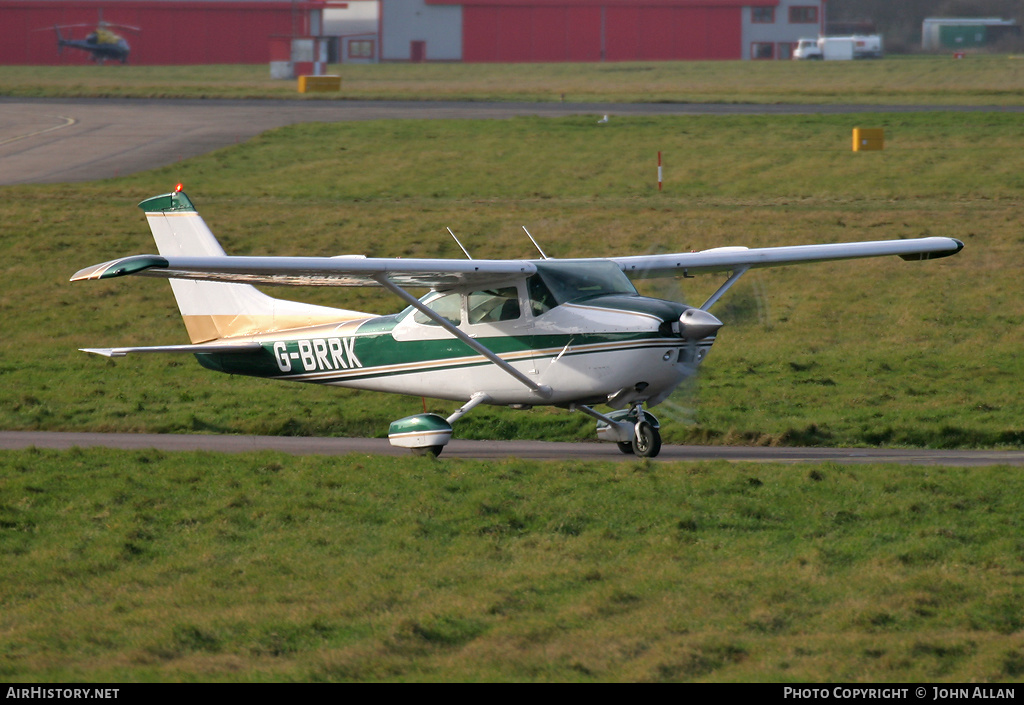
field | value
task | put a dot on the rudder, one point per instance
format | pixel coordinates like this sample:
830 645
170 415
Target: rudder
217 310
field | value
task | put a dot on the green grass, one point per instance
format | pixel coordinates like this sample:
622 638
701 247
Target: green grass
143 566
977 80
878 352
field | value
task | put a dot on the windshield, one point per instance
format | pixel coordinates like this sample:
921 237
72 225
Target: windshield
575 281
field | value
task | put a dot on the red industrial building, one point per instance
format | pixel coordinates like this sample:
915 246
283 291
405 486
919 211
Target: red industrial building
170 31
578 32
594 30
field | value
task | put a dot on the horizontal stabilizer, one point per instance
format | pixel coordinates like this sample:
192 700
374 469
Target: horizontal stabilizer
221 348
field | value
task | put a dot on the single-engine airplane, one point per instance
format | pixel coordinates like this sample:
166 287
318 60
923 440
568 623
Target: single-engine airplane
571 333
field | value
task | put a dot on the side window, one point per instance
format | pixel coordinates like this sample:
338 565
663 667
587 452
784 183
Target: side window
448 306
493 305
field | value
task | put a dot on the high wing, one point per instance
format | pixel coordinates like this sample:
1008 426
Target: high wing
315 271
724 259
447 273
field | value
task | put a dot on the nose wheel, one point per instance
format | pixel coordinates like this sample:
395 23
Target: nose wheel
633 430
645 444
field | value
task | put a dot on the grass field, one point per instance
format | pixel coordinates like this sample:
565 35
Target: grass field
937 80
141 566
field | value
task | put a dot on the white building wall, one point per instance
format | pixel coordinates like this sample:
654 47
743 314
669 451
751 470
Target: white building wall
780 31
403 22
358 17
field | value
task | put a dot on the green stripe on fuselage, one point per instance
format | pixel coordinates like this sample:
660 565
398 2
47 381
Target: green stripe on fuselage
361 356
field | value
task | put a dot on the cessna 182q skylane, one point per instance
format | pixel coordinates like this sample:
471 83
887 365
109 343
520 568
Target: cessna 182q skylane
571 333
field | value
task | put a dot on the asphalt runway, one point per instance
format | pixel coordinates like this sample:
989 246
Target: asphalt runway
57 141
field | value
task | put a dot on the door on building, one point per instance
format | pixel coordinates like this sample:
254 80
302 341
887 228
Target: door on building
417 51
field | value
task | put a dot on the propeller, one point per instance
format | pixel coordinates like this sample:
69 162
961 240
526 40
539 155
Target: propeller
681 404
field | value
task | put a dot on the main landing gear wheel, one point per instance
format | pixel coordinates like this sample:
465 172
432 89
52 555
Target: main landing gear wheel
428 450
625 447
648 441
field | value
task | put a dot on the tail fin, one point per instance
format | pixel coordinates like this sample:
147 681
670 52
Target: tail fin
217 310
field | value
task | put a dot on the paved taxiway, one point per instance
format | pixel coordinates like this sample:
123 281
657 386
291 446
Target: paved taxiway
55 141
534 450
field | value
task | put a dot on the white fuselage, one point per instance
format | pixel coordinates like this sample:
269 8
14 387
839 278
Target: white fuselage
583 353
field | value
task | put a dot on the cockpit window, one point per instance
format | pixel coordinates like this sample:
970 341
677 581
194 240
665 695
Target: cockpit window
576 281
493 305
448 306
541 298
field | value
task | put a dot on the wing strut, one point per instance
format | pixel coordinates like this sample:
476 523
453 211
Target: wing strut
543 391
724 288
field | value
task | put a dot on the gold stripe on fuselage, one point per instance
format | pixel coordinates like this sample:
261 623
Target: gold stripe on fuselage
205 328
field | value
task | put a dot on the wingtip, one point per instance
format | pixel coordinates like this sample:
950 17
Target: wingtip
91 272
936 253
120 267
959 245
105 352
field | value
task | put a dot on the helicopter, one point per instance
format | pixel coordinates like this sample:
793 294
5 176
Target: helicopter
102 42
571 333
